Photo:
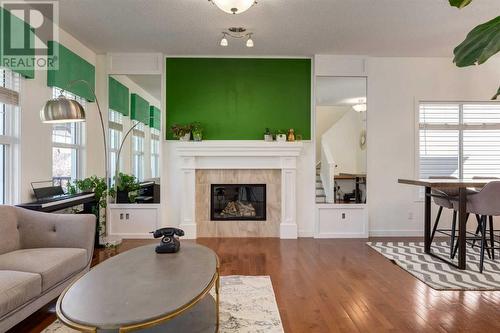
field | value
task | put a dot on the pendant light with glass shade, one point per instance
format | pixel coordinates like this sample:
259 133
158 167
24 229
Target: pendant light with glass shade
234 6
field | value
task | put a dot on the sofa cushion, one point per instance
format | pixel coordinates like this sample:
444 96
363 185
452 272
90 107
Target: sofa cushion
53 264
9 234
17 288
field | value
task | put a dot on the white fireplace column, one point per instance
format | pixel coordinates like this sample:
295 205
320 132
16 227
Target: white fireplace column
247 155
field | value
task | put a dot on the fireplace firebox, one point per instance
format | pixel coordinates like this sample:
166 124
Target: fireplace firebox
236 202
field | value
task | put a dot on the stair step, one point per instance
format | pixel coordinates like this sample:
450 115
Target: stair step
320 192
320 200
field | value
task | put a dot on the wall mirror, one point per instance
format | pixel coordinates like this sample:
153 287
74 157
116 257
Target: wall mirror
135 131
341 114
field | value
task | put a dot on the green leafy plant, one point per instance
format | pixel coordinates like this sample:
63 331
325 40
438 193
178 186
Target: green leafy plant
127 184
179 131
197 130
99 187
481 43
280 132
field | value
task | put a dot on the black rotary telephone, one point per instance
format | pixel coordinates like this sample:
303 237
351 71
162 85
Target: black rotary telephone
169 243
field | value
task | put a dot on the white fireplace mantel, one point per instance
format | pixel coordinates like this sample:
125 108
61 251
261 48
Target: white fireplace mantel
239 155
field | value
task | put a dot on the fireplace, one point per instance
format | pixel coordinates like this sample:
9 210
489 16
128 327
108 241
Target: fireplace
236 202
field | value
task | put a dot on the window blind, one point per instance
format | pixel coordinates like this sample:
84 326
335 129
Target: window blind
139 109
459 139
118 95
9 87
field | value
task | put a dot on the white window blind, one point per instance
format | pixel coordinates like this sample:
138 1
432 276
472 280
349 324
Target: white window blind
459 139
9 87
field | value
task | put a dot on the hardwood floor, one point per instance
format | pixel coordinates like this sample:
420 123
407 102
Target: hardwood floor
337 286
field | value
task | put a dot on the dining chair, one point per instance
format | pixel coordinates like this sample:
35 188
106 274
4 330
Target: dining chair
478 229
485 203
443 199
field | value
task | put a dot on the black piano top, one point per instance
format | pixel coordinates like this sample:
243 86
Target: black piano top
58 202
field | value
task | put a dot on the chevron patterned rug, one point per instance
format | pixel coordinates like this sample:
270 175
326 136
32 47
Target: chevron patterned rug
437 274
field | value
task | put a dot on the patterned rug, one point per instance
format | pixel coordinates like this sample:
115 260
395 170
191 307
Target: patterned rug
437 274
247 305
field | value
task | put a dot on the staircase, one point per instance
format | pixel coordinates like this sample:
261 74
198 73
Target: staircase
320 191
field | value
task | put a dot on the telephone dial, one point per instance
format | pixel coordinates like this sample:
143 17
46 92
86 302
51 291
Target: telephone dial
170 239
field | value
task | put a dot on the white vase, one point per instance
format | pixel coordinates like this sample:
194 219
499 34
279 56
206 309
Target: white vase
186 137
268 137
281 137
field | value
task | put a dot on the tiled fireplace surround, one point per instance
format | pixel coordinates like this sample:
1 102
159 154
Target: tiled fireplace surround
238 162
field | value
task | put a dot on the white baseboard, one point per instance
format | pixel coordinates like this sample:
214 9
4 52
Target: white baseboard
396 233
288 231
306 233
341 235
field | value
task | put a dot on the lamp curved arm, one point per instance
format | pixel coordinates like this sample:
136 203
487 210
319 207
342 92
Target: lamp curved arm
69 85
117 163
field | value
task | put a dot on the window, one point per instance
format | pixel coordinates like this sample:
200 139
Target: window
67 147
9 109
155 153
459 139
138 151
115 139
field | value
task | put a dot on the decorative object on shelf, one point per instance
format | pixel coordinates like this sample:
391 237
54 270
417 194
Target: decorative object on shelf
126 188
100 188
239 33
234 6
268 136
182 132
291 135
298 137
281 136
169 242
197 131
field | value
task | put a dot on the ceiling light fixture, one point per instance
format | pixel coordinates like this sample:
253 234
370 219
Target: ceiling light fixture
233 6
239 33
359 107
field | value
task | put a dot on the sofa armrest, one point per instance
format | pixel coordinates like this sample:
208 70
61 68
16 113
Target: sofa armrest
42 230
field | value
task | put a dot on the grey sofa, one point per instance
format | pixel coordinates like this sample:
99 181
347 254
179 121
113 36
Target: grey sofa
40 254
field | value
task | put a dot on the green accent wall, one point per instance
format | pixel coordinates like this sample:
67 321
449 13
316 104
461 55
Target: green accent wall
139 109
237 99
155 117
71 67
16 32
119 97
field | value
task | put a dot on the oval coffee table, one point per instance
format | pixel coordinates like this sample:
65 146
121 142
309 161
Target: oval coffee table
140 290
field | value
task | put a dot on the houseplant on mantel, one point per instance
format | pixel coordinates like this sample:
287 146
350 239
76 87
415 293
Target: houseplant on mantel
197 131
182 132
281 135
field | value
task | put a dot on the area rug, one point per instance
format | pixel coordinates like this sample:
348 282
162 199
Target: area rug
247 305
437 274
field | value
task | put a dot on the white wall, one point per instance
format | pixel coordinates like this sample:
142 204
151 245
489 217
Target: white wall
126 155
326 116
35 145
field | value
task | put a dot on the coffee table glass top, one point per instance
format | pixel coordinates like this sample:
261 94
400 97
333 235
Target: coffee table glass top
140 286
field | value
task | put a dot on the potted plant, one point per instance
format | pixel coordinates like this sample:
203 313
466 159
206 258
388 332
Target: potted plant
127 188
281 135
268 136
197 131
181 132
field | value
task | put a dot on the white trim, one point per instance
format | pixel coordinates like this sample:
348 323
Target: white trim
396 233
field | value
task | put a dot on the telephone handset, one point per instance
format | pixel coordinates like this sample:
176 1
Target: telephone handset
170 241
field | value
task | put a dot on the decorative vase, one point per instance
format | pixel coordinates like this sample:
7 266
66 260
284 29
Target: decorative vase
197 136
268 137
291 135
281 137
185 137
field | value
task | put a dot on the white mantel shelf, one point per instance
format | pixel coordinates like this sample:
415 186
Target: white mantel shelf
239 155
239 148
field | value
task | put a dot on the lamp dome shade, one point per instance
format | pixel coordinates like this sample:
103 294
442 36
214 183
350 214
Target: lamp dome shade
234 6
62 110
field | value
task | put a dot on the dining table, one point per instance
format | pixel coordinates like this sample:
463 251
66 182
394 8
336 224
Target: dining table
460 185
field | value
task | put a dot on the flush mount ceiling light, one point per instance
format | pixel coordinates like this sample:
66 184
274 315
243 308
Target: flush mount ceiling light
239 33
359 107
234 6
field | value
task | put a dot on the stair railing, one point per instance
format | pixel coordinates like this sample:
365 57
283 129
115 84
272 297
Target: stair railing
327 173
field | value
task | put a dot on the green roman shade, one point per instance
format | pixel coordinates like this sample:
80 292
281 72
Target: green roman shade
155 116
118 96
71 67
17 40
139 109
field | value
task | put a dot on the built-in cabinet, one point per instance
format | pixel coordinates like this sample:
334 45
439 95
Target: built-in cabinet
133 220
341 221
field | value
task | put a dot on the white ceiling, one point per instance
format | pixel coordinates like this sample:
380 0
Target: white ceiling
340 91
282 27
150 83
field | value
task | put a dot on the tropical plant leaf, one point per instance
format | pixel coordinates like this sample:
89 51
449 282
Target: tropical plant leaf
460 3
479 45
497 94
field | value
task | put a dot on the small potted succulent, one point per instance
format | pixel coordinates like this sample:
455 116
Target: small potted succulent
197 131
181 132
281 135
268 136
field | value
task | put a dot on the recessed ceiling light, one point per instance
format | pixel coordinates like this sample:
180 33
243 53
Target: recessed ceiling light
234 6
